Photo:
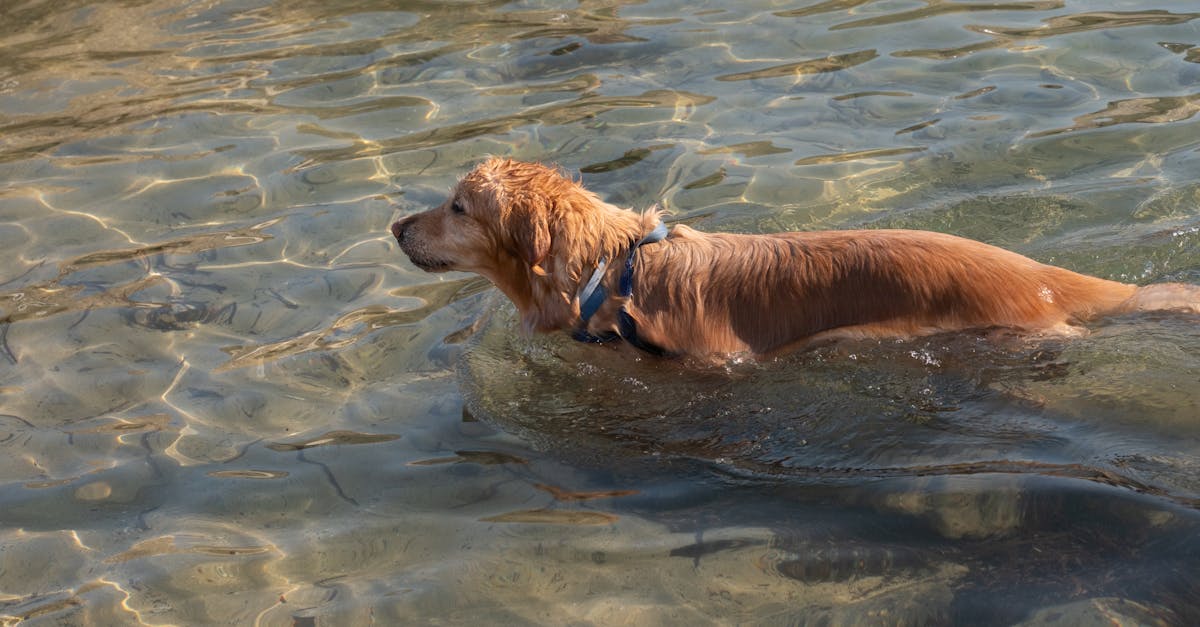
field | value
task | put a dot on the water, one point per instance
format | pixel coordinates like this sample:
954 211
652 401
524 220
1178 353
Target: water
226 397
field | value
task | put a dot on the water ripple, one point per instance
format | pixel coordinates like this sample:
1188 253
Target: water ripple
582 108
1134 111
334 438
936 9
747 149
352 326
55 297
829 6
831 63
1054 27
859 155
554 517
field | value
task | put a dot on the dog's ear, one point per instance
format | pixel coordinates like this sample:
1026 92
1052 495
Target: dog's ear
529 224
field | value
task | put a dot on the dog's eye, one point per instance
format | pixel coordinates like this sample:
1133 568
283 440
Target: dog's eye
457 208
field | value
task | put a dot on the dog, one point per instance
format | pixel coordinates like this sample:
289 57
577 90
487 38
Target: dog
568 260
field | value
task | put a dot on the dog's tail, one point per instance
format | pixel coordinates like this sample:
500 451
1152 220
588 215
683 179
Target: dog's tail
1164 297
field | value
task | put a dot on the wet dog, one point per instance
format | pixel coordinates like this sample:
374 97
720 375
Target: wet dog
568 260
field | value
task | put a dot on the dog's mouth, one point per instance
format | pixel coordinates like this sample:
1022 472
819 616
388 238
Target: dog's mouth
430 265
417 258
427 264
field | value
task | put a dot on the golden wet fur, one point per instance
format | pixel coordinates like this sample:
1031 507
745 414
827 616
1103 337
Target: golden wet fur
538 235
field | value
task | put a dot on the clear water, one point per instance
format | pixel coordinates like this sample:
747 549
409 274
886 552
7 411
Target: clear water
226 397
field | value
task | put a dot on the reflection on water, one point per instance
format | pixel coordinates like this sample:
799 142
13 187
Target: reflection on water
225 397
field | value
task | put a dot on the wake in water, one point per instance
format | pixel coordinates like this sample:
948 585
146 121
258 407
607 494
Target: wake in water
1085 408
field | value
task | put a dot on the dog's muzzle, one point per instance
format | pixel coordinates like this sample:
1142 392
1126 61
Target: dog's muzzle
398 228
412 248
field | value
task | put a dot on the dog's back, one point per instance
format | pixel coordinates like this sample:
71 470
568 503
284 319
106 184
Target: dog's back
723 293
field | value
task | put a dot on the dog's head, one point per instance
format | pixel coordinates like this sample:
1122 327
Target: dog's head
498 213
525 226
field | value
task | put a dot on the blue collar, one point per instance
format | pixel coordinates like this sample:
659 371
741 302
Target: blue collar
593 295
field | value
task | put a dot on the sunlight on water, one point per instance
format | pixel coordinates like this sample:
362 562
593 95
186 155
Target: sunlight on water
226 397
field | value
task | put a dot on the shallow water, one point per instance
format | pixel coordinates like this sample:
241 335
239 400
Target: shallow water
226 397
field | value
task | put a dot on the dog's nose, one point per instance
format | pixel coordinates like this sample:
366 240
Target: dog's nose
398 228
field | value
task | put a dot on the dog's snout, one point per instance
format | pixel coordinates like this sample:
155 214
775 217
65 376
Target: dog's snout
399 226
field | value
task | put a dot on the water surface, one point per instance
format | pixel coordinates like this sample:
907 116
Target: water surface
226 397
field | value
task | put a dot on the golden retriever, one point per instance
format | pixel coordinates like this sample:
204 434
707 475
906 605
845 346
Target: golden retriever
549 245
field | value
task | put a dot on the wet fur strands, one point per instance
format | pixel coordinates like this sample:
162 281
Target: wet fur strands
539 236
